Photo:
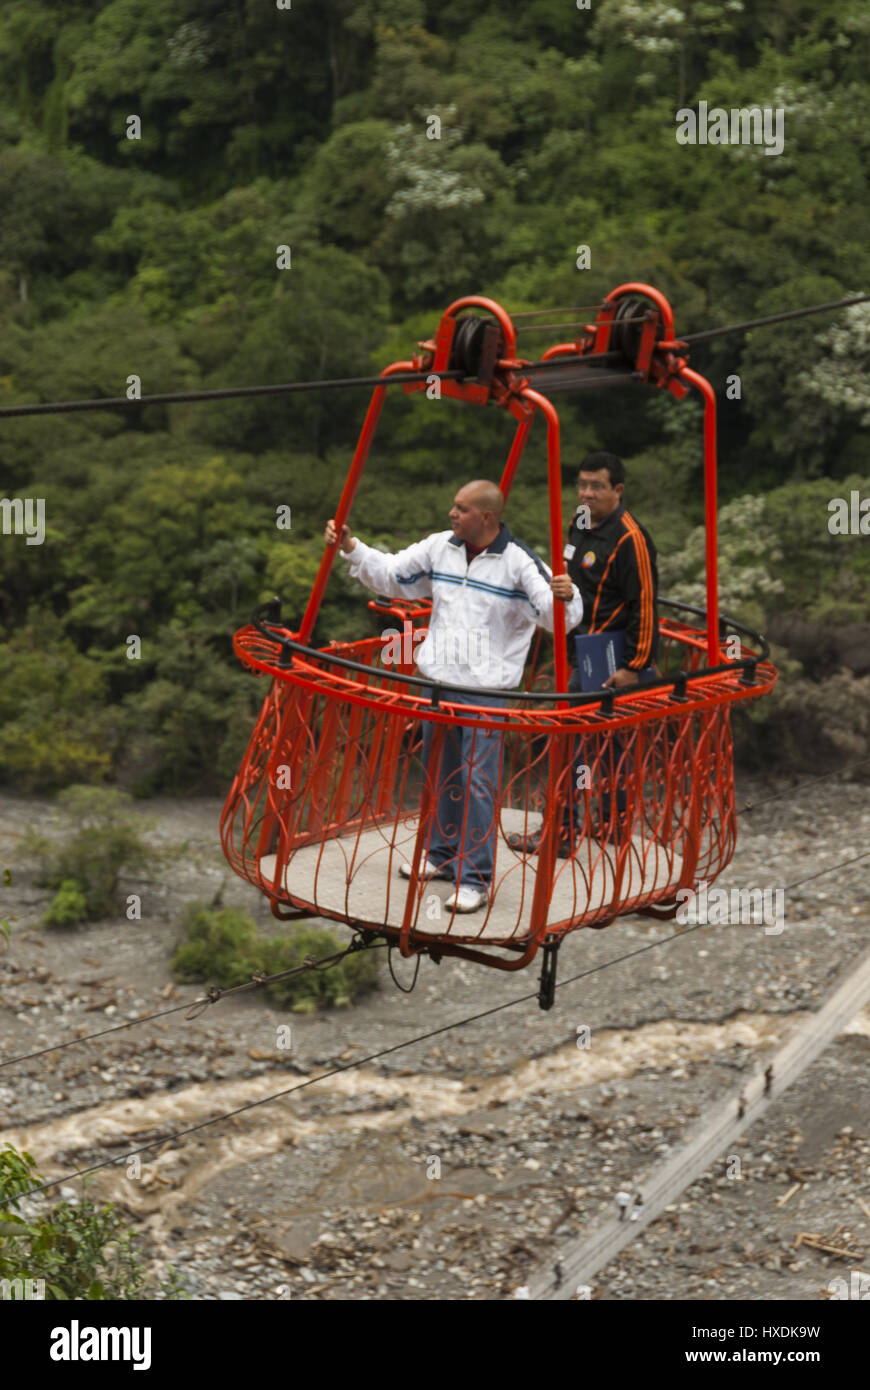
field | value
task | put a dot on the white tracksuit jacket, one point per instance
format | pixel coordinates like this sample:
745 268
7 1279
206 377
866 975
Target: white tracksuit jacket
483 612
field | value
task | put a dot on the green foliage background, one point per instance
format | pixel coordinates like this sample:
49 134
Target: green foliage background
80 1250
307 127
225 948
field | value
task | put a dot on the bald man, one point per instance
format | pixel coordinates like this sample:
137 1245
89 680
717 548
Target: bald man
488 591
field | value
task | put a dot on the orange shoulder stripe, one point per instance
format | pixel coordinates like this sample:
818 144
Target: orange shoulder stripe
644 643
611 557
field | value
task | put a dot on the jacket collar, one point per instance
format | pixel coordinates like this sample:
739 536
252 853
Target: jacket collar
495 547
608 520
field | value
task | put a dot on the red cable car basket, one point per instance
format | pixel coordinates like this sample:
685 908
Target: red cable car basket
333 796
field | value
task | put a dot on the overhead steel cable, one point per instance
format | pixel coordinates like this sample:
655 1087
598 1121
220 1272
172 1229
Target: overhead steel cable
100 1033
548 327
397 379
844 863
176 397
571 309
351 1066
773 318
807 782
211 996
235 392
258 983
409 1042
574 323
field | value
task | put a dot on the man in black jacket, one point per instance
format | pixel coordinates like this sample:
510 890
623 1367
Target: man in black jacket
612 560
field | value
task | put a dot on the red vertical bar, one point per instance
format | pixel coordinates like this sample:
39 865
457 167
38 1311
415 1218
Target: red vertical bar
321 810
557 563
710 510
428 811
385 773
346 501
352 758
517 447
283 805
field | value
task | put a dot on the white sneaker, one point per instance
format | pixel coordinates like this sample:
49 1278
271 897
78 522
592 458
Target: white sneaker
466 900
427 870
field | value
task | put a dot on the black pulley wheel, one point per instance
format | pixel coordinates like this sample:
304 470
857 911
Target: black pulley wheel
625 335
467 345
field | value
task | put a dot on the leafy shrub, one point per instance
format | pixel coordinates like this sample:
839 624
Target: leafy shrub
68 907
220 946
82 1251
225 948
805 727
825 576
85 867
54 727
748 573
5 923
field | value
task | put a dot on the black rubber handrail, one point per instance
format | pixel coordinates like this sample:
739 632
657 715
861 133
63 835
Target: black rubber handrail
269 614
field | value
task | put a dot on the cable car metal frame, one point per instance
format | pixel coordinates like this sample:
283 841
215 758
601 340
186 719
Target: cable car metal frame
324 788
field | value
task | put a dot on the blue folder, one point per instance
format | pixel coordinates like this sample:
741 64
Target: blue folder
599 654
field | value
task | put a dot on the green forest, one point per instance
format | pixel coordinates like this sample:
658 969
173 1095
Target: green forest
155 157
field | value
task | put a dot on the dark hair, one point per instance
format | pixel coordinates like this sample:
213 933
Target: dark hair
601 459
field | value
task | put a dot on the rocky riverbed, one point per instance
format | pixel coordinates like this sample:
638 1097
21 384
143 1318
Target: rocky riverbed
456 1166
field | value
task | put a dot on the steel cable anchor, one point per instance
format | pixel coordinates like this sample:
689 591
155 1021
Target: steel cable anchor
547 985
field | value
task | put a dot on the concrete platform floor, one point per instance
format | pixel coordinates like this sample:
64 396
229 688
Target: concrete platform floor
357 876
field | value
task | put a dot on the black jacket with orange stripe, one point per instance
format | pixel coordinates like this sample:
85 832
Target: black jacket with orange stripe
614 567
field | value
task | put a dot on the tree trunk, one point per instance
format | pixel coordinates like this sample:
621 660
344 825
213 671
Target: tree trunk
333 62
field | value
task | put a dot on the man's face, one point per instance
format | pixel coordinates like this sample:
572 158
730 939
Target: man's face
466 517
595 491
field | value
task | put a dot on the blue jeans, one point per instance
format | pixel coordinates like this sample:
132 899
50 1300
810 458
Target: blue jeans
615 767
468 777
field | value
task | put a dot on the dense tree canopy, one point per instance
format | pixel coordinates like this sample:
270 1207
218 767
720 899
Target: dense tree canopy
155 158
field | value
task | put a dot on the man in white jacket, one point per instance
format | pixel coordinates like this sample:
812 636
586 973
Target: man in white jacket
489 592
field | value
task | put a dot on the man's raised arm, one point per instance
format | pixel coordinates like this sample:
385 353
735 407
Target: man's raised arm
407 574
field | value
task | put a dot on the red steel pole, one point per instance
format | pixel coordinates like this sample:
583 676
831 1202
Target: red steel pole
557 562
517 447
346 500
710 512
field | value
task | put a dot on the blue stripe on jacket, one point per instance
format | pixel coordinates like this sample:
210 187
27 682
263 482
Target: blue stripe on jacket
478 584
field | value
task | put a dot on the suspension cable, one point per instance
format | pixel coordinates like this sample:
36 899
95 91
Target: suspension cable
362 1061
409 1042
807 782
275 389
397 379
213 995
773 318
571 309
